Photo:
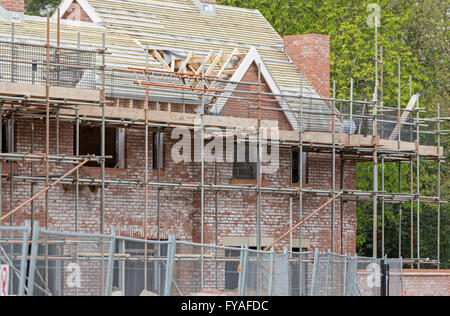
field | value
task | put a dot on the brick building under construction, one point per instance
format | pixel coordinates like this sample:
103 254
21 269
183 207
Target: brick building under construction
91 96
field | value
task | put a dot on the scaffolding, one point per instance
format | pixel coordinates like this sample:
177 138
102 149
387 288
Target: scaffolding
81 89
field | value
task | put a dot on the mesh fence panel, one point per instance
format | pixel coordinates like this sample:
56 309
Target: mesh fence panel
261 268
330 277
395 282
301 267
368 277
352 282
206 270
11 246
367 274
68 266
132 276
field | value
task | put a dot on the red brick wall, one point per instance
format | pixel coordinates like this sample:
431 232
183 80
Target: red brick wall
75 12
13 5
180 209
426 282
248 107
311 54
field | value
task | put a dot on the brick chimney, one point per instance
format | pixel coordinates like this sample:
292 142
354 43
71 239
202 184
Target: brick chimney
311 54
208 1
13 5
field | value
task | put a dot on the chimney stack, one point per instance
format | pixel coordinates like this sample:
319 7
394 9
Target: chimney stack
12 10
311 54
13 5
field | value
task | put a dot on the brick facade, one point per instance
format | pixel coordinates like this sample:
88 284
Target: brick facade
426 282
13 5
180 209
311 54
75 12
248 106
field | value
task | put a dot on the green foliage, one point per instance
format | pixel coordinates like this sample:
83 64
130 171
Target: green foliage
40 7
415 32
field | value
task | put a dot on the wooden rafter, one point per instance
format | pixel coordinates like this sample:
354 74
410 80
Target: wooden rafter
161 60
226 63
208 57
185 62
213 65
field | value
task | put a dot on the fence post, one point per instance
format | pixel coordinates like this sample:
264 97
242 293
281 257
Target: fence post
170 265
344 285
383 291
110 270
314 276
34 252
401 276
23 263
272 270
243 273
328 272
286 272
241 261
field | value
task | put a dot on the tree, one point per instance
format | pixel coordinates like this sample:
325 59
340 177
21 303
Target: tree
41 7
415 32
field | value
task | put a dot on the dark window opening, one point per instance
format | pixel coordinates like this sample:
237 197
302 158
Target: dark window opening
5 137
295 167
158 151
91 141
232 270
246 170
129 275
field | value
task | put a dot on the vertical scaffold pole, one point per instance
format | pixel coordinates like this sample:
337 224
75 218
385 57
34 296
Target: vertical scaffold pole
439 187
103 164
399 114
300 163
411 171
333 168
258 171
47 144
418 182
202 181
146 178
375 151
